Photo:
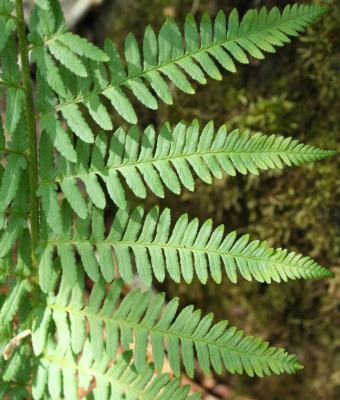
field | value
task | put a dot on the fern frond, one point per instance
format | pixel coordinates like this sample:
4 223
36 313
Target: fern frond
13 208
50 42
10 307
11 179
195 55
15 353
15 373
168 160
17 280
157 247
50 124
13 224
52 225
7 22
142 317
10 77
60 376
13 143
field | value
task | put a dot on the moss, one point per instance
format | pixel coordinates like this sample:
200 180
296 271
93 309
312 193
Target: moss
293 93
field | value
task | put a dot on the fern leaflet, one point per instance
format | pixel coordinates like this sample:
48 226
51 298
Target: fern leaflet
58 374
168 55
188 248
142 316
171 159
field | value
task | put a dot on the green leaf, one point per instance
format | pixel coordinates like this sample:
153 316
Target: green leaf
119 381
11 179
132 55
198 54
99 112
49 70
49 198
173 158
67 58
74 197
7 26
12 303
46 269
77 123
142 316
68 263
121 104
10 235
42 4
59 137
14 108
83 47
41 324
183 250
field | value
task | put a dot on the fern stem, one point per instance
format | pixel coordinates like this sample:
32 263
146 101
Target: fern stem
31 129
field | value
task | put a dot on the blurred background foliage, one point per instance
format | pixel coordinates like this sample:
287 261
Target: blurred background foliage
292 93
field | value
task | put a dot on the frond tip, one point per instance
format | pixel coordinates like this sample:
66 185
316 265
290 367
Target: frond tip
150 242
60 376
143 317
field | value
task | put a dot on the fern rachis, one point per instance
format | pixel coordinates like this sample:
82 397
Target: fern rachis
58 174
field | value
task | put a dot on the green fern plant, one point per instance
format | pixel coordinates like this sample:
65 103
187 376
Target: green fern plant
63 162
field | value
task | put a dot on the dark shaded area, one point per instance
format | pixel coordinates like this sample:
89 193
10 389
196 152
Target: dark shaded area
294 93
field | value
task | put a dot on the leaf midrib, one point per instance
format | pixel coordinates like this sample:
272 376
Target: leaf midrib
138 163
165 333
81 99
179 248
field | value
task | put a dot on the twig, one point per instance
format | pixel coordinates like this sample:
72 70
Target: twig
13 343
